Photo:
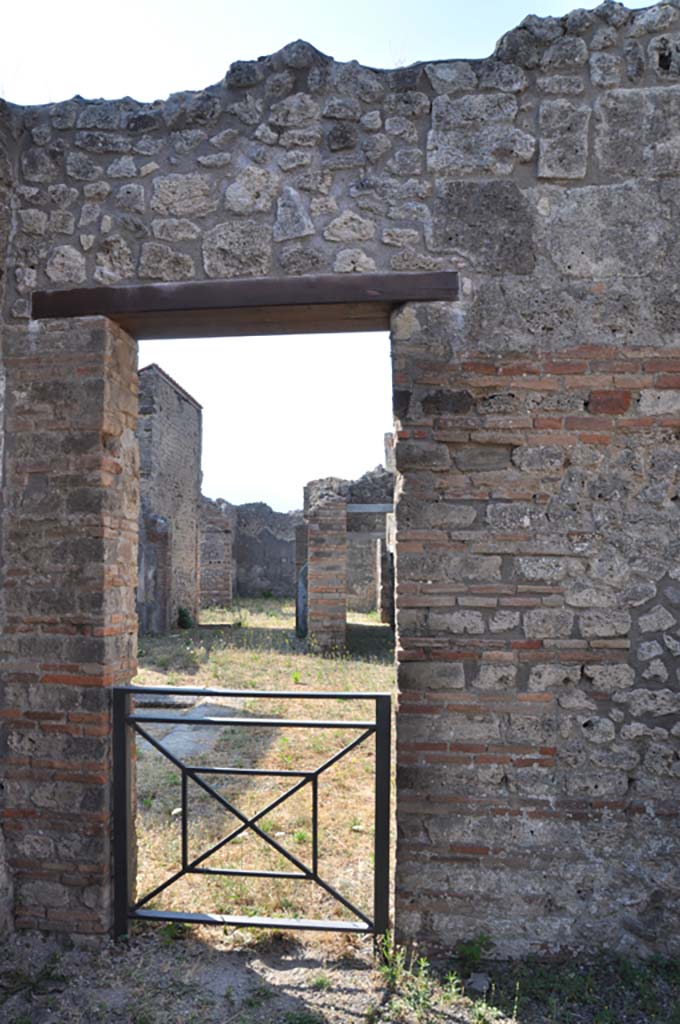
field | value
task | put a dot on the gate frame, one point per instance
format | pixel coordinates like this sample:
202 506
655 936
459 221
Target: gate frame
124 859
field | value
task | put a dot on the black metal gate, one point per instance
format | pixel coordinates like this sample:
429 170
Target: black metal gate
127 721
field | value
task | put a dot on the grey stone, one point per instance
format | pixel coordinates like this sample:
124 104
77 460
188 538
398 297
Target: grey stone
553 676
349 261
240 249
659 403
463 621
656 670
649 649
548 622
600 623
452 76
172 229
657 620
471 111
66 265
563 143
82 167
244 74
214 160
567 85
342 136
252 192
604 38
495 677
605 70
515 515
180 195
598 730
294 111
348 227
162 263
292 219
615 14
342 108
495 74
541 458
567 52
113 261
131 197
653 702
490 222
123 167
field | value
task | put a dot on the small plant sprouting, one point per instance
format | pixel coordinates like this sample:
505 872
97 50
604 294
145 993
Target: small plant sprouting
322 983
185 619
471 951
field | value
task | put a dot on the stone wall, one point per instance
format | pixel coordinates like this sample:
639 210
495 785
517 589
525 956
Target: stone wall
264 550
364 530
69 631
216 559
537 420
169 433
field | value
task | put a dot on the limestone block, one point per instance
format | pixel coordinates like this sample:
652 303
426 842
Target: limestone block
181 195
604 622
173 229
431 675
631 229
548 622
452 76
294 111
252 192
464 621
563 143
292 219
66 265
605 70
240 249
638 131
350 226
489 222
353 261
163 263
113 261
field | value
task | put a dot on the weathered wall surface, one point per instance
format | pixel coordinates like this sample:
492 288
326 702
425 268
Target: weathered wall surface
216 560
364 529
264 550
169 432
7 182
537 565
68 575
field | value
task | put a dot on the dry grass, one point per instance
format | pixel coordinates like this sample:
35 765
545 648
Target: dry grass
253 646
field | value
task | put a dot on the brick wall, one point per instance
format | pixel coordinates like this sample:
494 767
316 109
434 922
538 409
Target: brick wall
537 617
327 573
69 633
169 434
537 566
216 558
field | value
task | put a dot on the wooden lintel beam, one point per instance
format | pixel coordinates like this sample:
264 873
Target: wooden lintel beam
311 304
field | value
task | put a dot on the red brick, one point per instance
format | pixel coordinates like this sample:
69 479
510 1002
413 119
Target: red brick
610 402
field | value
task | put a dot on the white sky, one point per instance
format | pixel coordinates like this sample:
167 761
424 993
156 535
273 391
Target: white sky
277 411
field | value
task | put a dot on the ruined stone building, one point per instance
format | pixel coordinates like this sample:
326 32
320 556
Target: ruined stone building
252 545
513 220
216 570
362 559
169 435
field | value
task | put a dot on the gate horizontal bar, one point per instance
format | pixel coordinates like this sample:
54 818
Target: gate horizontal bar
291 923
285 772
278 723
197 691
300 875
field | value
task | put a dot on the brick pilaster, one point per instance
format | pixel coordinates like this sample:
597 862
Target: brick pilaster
327 568
69 561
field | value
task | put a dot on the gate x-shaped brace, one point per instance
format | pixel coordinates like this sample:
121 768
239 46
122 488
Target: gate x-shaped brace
194 772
